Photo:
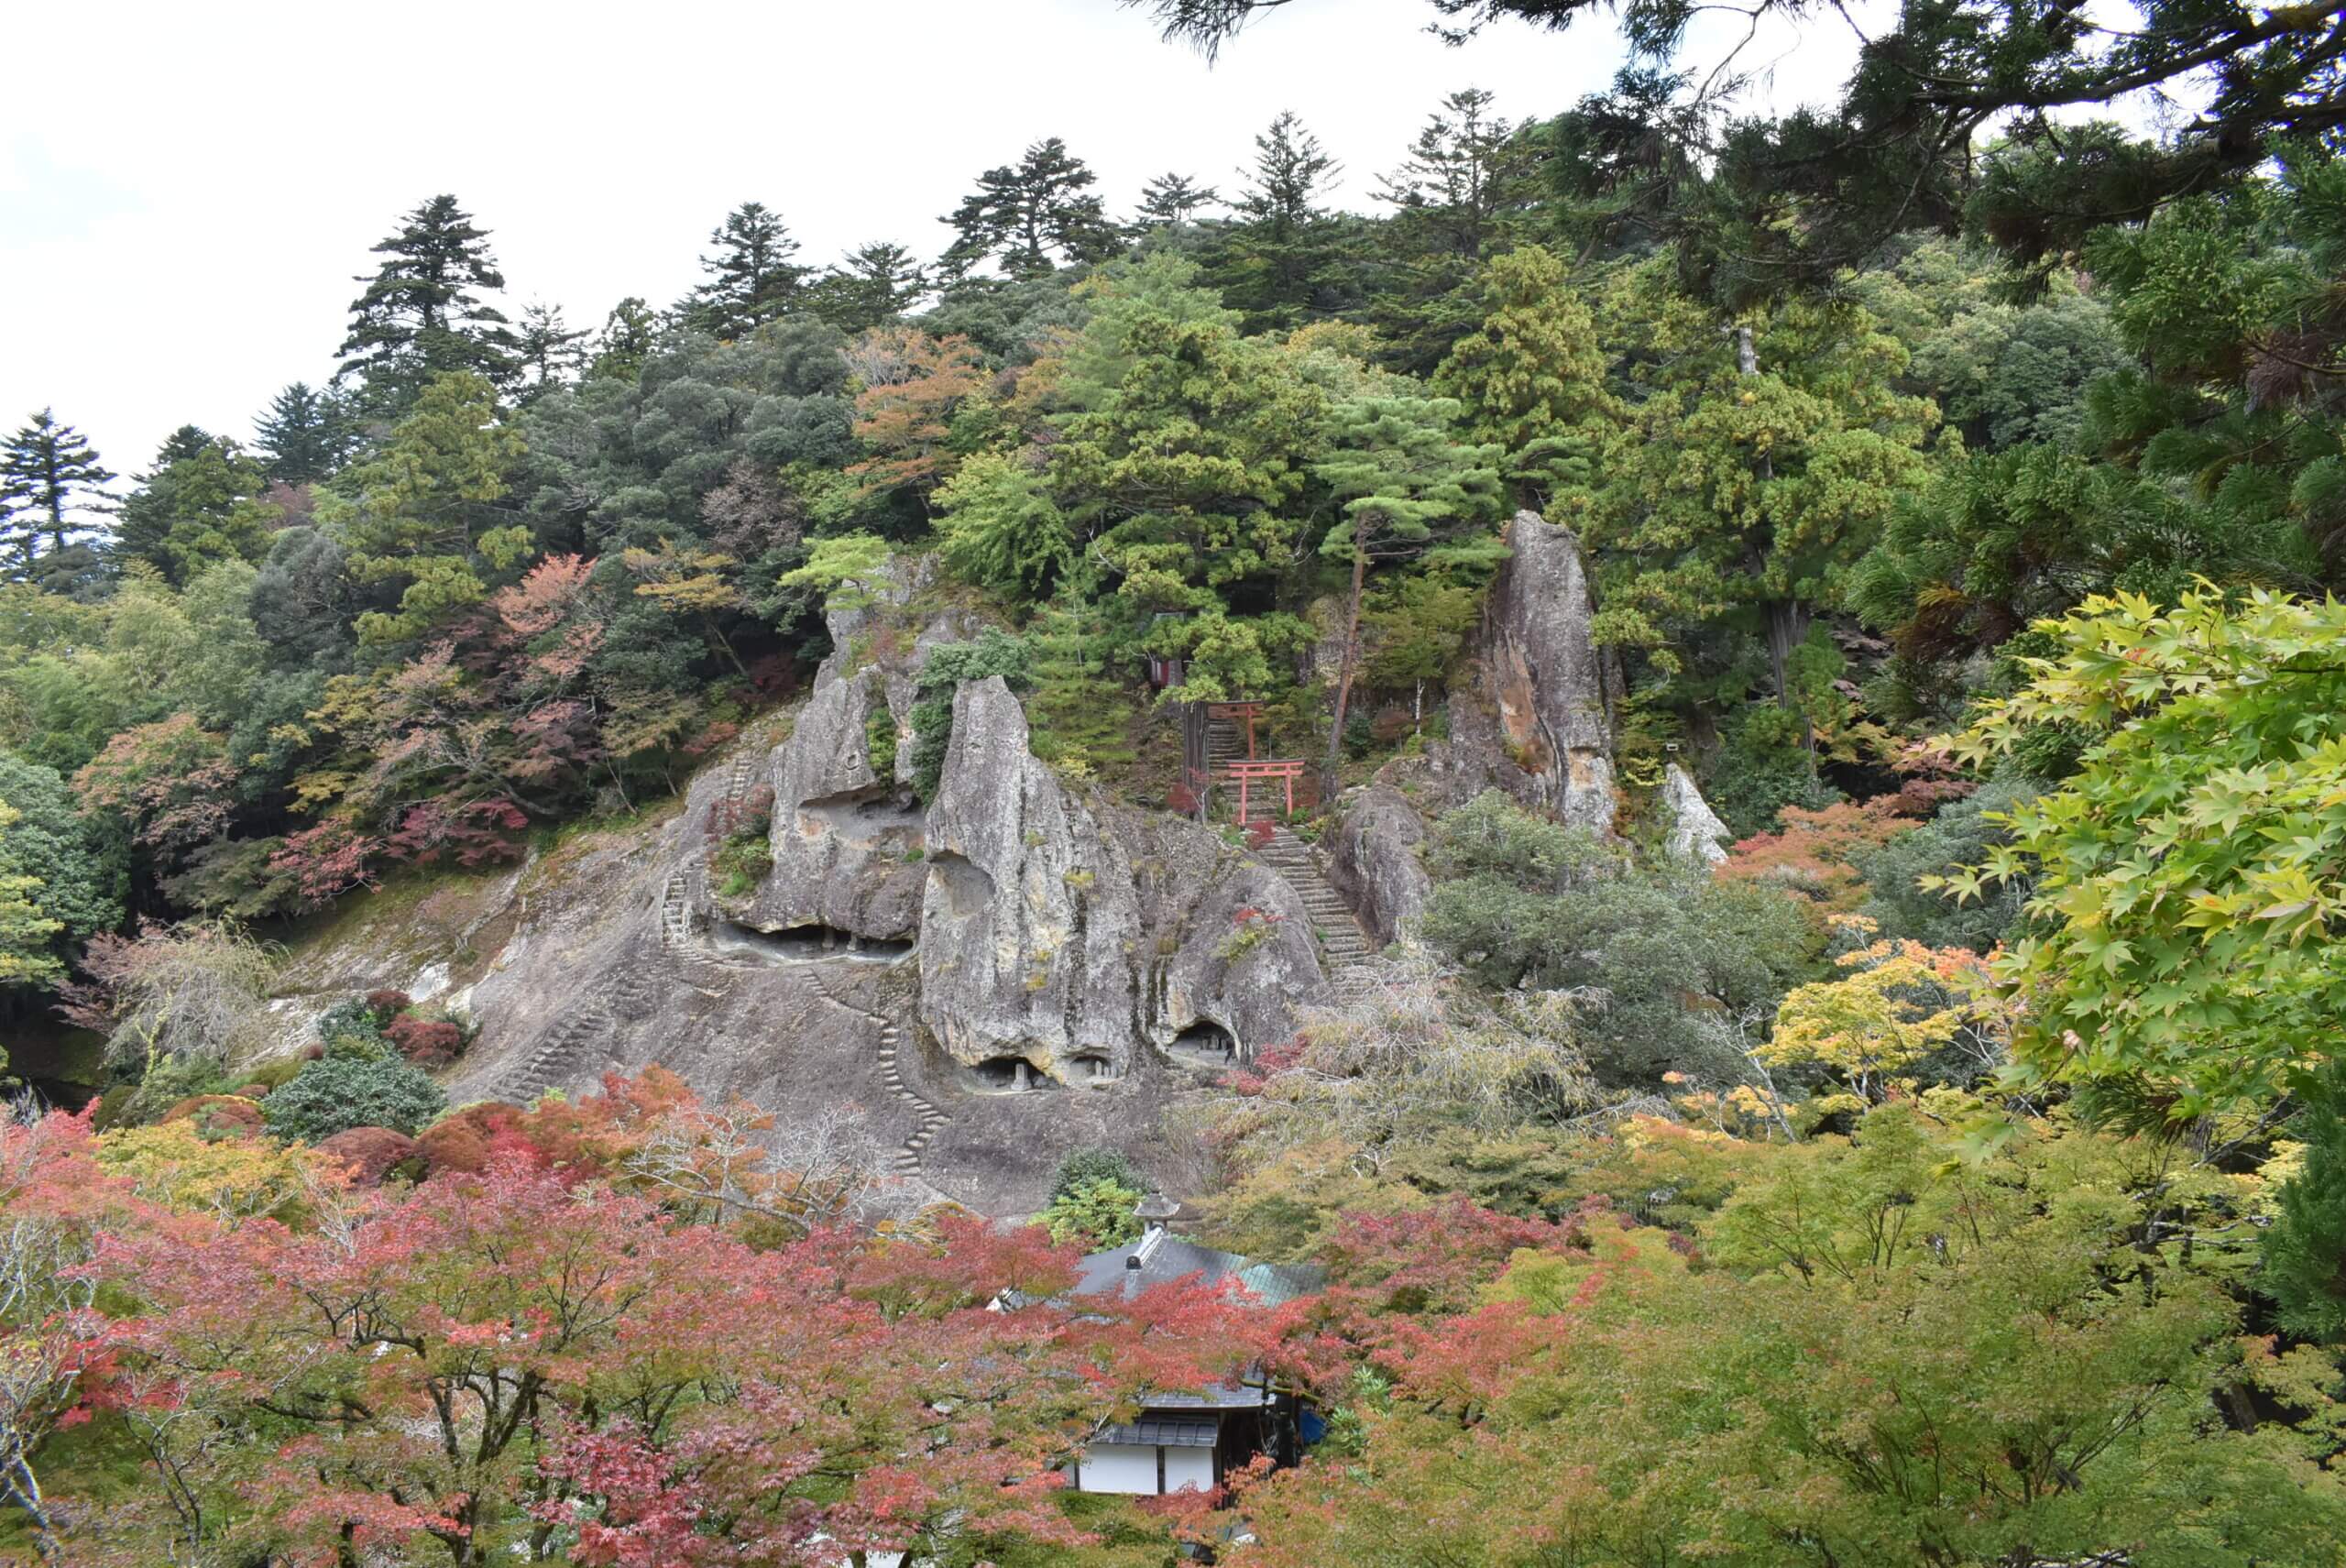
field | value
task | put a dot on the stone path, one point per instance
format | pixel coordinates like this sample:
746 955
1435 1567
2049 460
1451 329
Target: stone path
1344 952
926 1118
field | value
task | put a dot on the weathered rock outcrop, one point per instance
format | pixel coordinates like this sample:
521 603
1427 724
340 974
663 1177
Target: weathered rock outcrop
843 838
1696 830
1073 936
1030 922
1373 861
1543 672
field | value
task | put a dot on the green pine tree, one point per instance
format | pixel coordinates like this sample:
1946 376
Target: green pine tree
872 285
2305 1252
422 315
751 279
1410 490
303 436
49 477
427 509
628 334
1533 378
1173 199
195 508
1031 217
550 353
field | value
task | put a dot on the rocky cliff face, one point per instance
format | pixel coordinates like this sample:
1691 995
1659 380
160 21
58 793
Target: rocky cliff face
1075 936
1015 969
1535 720
1018 970
844 840
1373 861
1545 677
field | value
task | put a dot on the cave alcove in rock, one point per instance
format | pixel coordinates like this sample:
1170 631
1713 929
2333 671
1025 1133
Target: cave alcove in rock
1204 1044
806 944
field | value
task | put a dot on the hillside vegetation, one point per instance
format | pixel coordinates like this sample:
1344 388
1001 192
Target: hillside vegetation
1951 1176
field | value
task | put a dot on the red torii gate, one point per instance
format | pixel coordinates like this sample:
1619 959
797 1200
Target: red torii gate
1199 774
1286 770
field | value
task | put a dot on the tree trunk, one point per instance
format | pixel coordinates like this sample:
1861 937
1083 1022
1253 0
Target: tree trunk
1352 659
1787 621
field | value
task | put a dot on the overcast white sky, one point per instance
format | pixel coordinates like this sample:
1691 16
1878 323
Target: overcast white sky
181 213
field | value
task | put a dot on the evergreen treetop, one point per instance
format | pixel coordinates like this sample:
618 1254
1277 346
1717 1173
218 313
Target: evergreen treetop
423 313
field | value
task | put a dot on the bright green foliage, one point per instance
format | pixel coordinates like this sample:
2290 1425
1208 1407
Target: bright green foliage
1532 379
998 527
1406 482
25 931
1735 497
426 508
1081 715
941 675
844 569
1181 460
1889 1357
1097 1215
2001 374
81 870
196 509
2184 927
1410 491
341 1091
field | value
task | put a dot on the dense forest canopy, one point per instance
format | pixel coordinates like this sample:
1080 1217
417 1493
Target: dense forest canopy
1955 1176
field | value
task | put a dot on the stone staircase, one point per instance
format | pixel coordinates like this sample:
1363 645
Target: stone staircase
926 1118
563 1050
1344 952
1225 744
677 912
740 777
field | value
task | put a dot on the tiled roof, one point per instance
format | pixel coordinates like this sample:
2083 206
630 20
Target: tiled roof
1164 1258
1150 1433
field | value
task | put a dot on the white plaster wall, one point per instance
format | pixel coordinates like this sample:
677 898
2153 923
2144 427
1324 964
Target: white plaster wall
1189 1467
1124 1467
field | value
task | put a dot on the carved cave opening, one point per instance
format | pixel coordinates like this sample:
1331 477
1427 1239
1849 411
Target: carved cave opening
1008 1075
1204 1044
1092 1070
809 944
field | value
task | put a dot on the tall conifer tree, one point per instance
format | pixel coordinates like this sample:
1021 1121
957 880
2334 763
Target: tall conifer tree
423 313
1174 199
751 279
1032 216
302 437
48 472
